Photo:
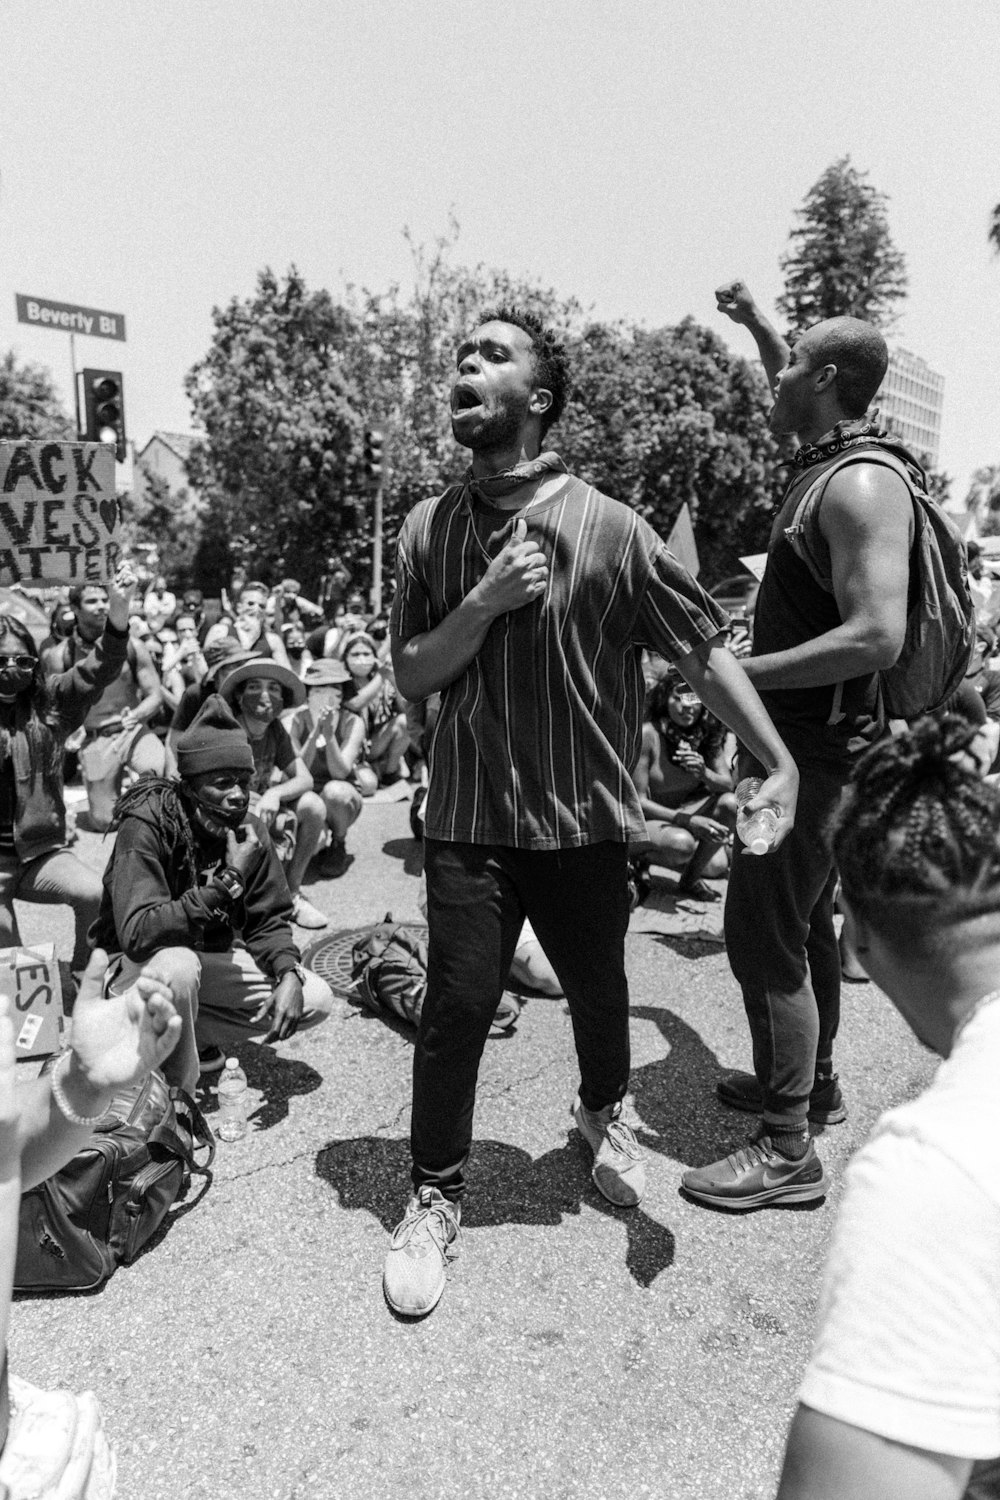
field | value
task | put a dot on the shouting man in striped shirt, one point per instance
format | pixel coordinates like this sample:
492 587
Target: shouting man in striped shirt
526 597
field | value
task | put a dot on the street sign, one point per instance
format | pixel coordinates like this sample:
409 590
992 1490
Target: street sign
66 317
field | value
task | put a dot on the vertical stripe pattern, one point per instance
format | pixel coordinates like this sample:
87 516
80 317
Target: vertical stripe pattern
536 738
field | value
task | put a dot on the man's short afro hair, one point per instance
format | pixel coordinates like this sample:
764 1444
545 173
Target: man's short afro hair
551 357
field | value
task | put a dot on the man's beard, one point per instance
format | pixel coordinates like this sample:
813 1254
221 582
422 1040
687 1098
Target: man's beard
500 429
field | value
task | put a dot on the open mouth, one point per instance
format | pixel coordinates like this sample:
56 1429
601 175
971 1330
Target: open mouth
465 398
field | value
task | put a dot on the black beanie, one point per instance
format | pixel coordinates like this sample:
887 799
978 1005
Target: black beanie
214 742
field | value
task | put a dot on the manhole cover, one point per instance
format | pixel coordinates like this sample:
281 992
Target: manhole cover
330 958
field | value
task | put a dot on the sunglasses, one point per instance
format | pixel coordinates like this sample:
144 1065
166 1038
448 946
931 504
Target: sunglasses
26 663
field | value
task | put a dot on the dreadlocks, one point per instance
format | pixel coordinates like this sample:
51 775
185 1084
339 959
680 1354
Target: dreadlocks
917 837
165 801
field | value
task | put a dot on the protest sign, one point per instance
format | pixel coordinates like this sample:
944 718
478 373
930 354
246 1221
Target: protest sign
30 976
59 517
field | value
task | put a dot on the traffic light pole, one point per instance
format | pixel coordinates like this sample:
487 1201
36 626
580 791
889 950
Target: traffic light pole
76 383
377 550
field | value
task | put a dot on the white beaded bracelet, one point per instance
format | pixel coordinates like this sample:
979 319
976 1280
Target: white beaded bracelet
60 1097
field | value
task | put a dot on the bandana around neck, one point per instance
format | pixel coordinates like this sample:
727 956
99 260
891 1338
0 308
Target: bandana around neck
495 486
845 433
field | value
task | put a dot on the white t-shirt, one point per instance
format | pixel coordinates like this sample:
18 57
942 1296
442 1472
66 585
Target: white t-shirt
909 1320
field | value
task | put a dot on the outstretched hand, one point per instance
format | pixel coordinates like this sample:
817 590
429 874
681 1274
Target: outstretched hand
517 576
121 591
117 1039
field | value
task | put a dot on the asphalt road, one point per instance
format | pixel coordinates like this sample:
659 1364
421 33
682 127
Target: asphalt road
579 1351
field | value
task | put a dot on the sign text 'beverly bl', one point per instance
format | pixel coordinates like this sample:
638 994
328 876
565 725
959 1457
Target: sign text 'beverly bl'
59 520
42 312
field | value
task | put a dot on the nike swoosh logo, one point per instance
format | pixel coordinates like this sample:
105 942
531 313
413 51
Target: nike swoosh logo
777 1179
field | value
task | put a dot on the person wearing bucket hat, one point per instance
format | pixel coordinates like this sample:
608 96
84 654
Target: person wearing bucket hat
221 657
330 740
259 691
194 895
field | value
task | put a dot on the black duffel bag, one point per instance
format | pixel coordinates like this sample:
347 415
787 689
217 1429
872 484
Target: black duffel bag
96 1214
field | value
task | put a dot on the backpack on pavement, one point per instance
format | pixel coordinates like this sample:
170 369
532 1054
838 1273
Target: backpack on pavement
940 621
389 970
96 1214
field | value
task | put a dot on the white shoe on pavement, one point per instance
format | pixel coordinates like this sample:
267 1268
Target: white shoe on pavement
304 914
619 1171
422 1245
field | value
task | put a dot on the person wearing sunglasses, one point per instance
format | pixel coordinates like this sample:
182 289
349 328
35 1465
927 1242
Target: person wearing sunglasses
685 789
36 715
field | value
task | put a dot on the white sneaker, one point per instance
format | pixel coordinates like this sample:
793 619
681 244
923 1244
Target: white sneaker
422 1245
304 914
619 1171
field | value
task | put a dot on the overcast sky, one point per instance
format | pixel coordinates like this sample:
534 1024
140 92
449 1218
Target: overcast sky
154 157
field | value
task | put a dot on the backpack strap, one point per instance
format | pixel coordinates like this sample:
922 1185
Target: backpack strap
803 534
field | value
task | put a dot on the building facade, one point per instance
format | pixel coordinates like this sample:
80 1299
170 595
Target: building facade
910 400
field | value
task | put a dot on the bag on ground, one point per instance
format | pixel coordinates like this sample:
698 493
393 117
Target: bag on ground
96 1214
389 970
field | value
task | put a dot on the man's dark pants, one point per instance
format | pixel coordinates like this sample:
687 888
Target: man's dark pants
477 898
782 945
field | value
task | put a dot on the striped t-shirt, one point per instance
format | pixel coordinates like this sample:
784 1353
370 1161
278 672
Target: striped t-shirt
536 738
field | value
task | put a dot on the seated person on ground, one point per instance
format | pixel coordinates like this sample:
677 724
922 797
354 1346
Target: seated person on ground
374 697
114 1044
194 895
329 739
221 658
36 716
118 742
259 691
685 788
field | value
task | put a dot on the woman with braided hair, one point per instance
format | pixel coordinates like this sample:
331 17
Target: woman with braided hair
901 1398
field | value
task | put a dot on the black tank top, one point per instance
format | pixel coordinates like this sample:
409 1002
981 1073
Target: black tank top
792 608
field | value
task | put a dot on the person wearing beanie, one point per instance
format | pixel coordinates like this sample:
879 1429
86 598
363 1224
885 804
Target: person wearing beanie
194 895
372 694
330 741
221 658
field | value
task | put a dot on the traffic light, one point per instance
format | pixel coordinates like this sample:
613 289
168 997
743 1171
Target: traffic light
373 457
104 409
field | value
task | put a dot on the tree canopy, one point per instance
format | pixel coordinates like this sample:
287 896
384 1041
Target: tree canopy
29 405
842 261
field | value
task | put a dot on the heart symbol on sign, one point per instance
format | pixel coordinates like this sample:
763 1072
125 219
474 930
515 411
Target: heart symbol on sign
109 514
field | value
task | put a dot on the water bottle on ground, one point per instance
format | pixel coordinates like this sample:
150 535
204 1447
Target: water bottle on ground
756 829
234 1101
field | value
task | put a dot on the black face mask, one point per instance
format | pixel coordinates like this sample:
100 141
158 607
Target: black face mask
221 815
14 680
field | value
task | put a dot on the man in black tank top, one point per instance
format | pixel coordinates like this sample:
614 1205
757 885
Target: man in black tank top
816 656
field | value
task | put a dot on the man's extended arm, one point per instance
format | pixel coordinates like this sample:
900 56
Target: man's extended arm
722 685
866 519
737 303
426 663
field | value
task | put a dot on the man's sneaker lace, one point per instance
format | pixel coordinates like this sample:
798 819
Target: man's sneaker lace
619 1171
421 1247
758 1174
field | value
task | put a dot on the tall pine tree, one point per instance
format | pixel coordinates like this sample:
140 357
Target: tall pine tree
842 260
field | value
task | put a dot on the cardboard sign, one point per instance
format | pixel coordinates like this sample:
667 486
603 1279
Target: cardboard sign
681 541
31 977
59 516
755 563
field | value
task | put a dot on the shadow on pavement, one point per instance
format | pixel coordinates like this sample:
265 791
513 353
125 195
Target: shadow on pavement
409 851
675 1096
278 1078
507 1187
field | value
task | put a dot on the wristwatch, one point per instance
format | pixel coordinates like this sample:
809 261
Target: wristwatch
229 882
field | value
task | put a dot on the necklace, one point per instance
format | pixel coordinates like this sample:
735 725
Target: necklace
980 1004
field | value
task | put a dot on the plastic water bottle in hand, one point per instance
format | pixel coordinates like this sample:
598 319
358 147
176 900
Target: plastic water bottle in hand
234 1102
756 829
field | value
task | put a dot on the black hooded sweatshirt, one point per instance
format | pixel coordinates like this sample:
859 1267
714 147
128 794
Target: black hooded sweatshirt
150 902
